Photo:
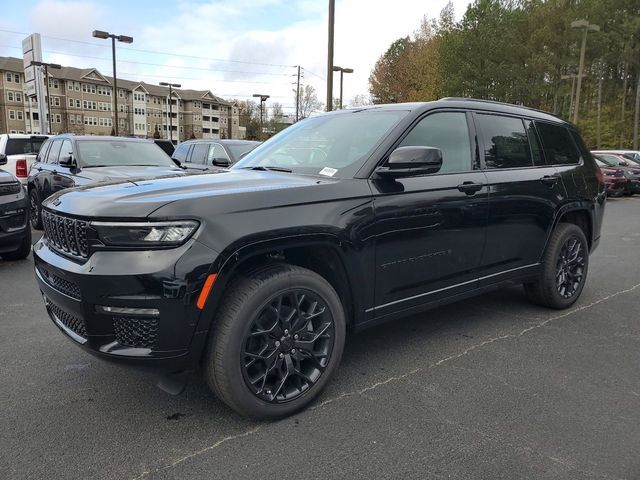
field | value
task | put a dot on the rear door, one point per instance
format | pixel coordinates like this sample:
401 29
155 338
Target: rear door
524 194
430 229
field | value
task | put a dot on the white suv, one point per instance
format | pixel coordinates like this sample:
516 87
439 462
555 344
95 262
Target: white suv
21 151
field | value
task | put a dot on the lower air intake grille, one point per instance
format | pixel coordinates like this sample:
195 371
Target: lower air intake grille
75 324
136 332
65 286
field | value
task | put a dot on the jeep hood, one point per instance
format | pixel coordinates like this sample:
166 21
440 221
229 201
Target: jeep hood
137 198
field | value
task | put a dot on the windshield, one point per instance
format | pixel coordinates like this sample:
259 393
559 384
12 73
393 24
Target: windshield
610 160
634 157
17 146
107 153
237 150
330 145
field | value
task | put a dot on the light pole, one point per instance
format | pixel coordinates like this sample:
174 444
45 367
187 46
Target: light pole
46 66
263 98
332 19
123 39
342 71
586 27
171 85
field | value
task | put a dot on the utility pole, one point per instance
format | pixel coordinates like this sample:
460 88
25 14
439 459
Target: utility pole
298 96
332 15
636 116
123 39
171 85
586 27
599 110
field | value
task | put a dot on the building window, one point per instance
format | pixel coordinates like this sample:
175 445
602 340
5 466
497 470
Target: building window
20 115
10 96
77 86
78 104
71 102
58 118
69 85
18 97
16 78
12 114
9 77
56 101
72 119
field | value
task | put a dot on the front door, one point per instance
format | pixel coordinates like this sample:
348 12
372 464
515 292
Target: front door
430 229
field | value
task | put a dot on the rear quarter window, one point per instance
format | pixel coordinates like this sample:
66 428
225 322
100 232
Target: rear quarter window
558 144
181 152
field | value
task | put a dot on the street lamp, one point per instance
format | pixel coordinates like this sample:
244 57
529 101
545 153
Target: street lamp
263 98
342 72
586 27
171 85
123 39
46 66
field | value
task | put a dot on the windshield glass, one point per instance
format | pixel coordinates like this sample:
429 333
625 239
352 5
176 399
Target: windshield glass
330 145
610 160
17 146
238 150
106 153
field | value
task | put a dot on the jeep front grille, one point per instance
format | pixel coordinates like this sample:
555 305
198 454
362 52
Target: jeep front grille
66 234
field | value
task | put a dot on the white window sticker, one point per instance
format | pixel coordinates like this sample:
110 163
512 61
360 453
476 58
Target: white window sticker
328 171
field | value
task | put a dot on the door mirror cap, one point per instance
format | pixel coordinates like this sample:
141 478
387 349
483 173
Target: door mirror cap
221 162
412 161
3 159
67 161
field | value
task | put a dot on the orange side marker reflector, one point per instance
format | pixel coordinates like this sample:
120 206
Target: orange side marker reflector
206 289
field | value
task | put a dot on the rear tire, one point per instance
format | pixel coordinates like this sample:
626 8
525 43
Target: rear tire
275 342
564 269
22 251
35 210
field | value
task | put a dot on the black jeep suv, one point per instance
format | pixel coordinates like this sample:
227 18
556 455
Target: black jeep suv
341 221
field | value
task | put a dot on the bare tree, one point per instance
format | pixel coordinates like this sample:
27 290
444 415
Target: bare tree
360 100
276 112
309 102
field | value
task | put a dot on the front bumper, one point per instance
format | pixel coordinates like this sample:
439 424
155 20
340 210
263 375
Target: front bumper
154 292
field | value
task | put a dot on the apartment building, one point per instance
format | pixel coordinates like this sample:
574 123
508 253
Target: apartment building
81 102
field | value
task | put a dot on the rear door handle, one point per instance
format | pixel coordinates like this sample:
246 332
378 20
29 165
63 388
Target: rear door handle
469 187
550 179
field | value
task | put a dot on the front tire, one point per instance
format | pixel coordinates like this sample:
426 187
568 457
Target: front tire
564 269
35 210
276 341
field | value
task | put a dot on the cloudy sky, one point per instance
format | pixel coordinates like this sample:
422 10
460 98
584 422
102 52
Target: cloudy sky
233 47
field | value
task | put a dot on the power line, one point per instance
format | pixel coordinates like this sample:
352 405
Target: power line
154 51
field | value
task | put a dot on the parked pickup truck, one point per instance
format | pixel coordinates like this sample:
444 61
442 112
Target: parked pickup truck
21 151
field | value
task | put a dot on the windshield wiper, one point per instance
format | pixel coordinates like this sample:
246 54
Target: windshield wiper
269 167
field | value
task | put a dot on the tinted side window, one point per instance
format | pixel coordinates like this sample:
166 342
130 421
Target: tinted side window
54 151
558 145
217 152
534 143
42 154
447 131
181 152
505 142
200 152
65 150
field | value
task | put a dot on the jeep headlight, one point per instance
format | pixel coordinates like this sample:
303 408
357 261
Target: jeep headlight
145 234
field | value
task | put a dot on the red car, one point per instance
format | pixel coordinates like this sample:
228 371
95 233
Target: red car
614 178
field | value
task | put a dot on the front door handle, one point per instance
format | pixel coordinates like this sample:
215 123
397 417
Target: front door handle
469 187
550 180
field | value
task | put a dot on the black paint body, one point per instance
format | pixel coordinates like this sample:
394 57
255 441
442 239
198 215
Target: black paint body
403 244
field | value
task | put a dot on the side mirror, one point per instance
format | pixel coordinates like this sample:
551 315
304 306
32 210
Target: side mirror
412 161
3 159
67 161
221 162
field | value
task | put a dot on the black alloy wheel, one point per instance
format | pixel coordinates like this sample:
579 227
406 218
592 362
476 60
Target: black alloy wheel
570 267
288 346
35 210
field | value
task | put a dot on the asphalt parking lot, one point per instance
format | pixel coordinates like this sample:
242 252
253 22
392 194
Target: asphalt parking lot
492 387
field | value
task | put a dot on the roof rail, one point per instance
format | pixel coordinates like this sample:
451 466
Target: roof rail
495 102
